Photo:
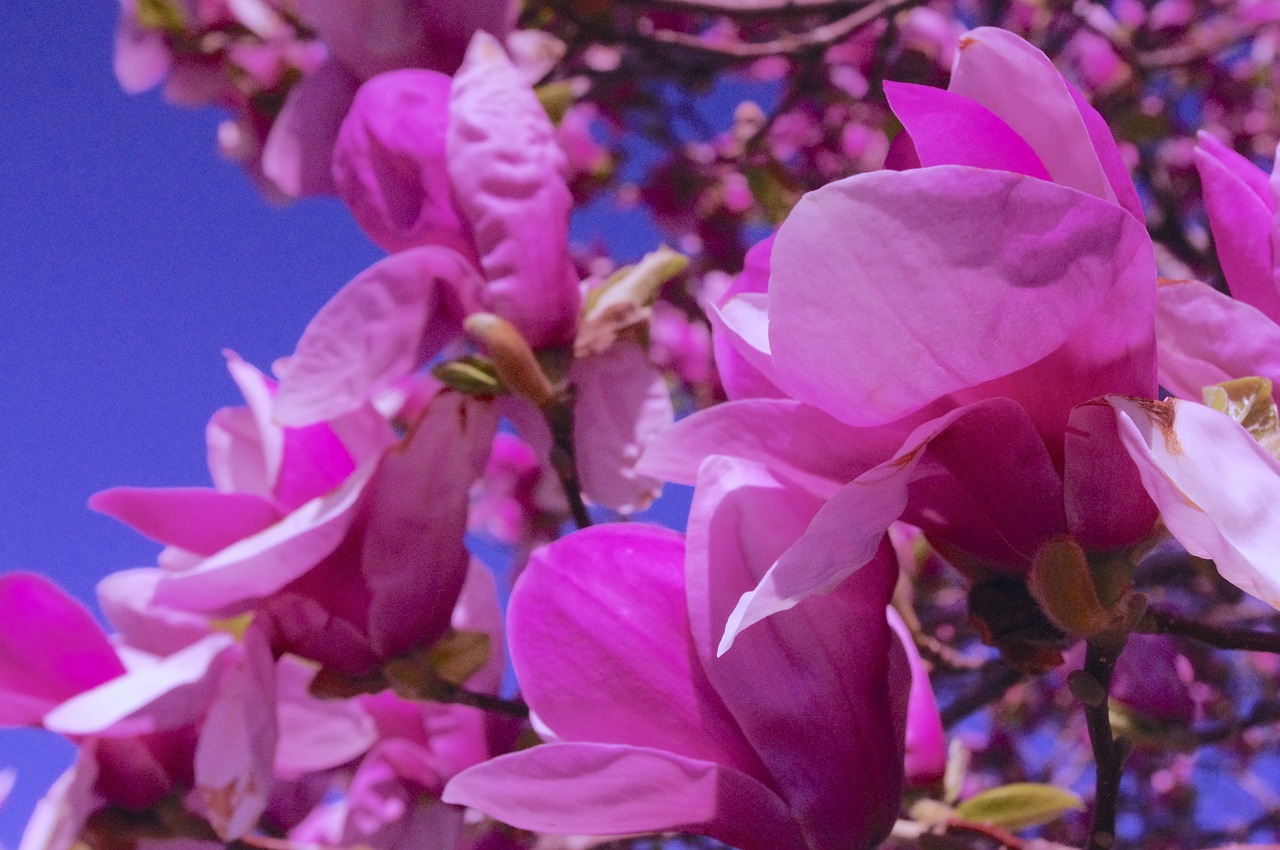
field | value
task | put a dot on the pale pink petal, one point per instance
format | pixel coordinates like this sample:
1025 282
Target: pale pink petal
1217 488
297 155
315 734
795 440
236 452
739 377
827 737
997 69
265 562
1002 271
388 321
610 789
600 643
170 693
507 173
1206 338
1240 212
741 328
389 162
127 599
61 813
387 809
235 754
51 649
926 742
950 129
621 404
142 59
1107 506
478 610
258 391
197 519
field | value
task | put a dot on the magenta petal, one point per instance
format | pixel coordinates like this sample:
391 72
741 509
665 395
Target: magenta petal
997 69
235 755
1206 338
166 694
389 162
197 519
1002 269
315 734
1113 165
621 404
609 789
950 129
507 172
51 649
926 742
602 650
1107 506
298 153
1240 211
389 320
1217 488
828 737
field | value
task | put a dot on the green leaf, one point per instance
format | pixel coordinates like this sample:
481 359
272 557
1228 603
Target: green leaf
1020 805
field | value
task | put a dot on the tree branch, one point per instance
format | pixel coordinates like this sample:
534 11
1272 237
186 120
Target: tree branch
1223 637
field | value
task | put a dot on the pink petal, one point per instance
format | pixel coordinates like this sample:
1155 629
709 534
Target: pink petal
388 321
127 601
926 742
1107 506
237 452
828 737
507 172
738 375
167 694
602 649
197 519
478 610
1238 202
142 59
315 734
1206 338
1113 165
1002 271
1217 488
51 649
950 129
621 404
234 758
298 153
610 789
62 812
997 69
389 162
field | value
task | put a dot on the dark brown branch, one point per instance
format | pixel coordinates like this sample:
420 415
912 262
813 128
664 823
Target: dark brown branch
750 8
1108 753
1223 637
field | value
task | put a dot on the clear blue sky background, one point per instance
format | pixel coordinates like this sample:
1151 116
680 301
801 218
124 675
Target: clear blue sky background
130 256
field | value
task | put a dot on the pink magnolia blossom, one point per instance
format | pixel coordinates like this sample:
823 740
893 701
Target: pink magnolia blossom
648 731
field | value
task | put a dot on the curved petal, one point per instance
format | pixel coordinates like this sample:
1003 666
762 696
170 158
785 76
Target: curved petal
600 643
610 789
997 69
1206 338
990 257
827 737
297 156
51 649
389 162
197 519
1238 201
1107 506
1217 488
621 404
926 742
739 375
507 172
389 320
951 129
315 734
127 599
1113 165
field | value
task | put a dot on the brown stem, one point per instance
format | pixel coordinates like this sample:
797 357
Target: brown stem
1223 637
1108 753
488 702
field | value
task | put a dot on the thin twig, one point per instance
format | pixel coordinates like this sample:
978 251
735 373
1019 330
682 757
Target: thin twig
1223 637
488 702
1108 753
996 678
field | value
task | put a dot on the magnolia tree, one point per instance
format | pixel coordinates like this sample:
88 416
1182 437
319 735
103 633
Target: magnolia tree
985 527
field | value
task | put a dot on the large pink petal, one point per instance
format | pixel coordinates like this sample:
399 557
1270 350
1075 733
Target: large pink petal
950 129
997 69
1206 338
265 562
235 755
51 649
795 440
828 736
977 480
389 320
389 162
298 153
1217 488
197 519
507 172
600 642
610 789
1240 209
621 404
962 275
